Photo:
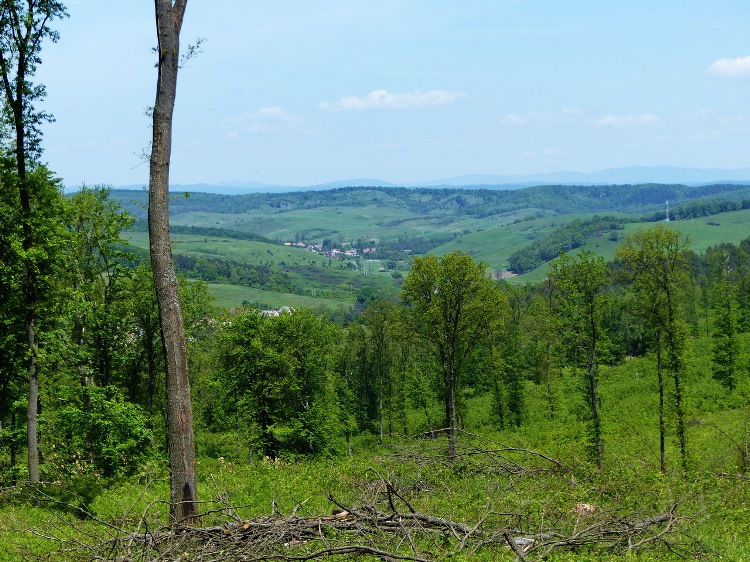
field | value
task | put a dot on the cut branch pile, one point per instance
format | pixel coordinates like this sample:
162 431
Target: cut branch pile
381 523
371 532
614 533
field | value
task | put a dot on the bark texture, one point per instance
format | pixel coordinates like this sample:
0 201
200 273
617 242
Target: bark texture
180 439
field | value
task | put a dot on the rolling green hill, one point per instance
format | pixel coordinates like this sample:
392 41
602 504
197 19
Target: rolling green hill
301 277
237 240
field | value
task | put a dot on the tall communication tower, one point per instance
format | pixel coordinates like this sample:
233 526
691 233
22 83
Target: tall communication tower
667 219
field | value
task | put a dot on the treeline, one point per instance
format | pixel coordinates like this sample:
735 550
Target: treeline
142 226
232 272
568 237
405 246
697 209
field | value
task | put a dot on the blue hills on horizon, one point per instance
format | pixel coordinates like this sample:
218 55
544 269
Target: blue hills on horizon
615 176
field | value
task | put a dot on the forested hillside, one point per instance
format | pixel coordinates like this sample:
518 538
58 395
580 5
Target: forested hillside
476 202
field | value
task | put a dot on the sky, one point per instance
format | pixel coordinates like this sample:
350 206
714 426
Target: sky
295 92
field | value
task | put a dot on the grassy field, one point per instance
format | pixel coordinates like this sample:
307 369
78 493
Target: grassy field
701 233
232 296
346 224
326 282
496 243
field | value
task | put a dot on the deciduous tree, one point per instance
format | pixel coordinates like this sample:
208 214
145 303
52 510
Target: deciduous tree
278 371
655 266
580 281
380 318
725 348
453 306
97 273
24 26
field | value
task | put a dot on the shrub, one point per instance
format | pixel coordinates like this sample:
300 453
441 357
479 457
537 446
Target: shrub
94 430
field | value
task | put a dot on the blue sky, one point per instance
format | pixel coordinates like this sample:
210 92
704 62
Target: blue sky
295 92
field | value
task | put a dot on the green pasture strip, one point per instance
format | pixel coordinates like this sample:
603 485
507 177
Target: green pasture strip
340 224
310 225
495 245
704 232
233 296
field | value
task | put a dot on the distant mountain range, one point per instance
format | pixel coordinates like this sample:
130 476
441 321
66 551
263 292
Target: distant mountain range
614 176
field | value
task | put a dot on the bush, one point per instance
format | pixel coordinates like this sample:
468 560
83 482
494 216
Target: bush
94 430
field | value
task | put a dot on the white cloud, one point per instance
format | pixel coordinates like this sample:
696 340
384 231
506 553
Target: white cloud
536 119
382 99
731 68
513 119
265 119
624 120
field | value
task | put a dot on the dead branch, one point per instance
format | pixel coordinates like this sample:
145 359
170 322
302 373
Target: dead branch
374 528
612 532
492 456
514 546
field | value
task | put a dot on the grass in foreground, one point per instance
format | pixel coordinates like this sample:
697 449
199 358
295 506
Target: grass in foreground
489 489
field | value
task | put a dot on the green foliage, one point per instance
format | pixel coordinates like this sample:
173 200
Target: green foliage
702 208
725 351
581 304
656 266
452 306
217 270
97 273
95 432
568 237
277 373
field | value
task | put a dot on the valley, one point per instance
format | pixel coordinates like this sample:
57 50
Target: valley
490 225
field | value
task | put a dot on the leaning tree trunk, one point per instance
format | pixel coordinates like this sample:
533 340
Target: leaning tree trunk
183 477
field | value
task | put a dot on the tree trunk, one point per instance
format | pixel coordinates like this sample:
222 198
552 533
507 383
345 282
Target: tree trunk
662 430
183 476
31 281
548 373
595 411
151 362
380 407
452 420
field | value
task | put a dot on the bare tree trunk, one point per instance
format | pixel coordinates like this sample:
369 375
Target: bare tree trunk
662 431
183 476
32 410
595 411
453 420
